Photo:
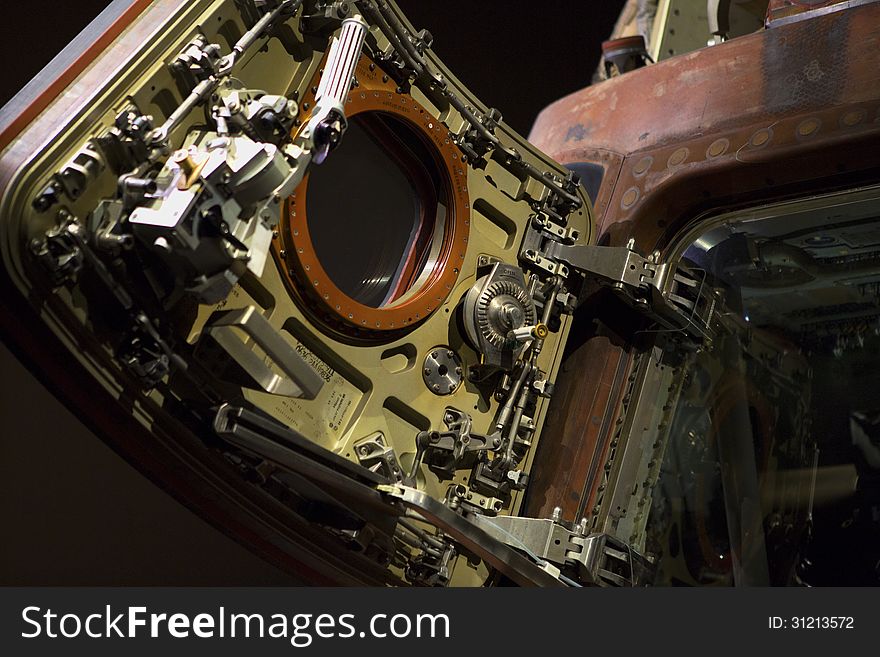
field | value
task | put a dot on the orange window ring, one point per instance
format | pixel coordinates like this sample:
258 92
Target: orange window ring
373 240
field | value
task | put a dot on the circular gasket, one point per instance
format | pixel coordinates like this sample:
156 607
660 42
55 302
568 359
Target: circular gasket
299 261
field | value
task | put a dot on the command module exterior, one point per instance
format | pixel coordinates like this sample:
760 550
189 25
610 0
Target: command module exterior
289 267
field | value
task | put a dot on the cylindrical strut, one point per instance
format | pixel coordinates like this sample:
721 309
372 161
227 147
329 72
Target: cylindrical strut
345 51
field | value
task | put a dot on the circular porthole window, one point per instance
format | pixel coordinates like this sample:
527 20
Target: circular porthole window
374 237
377 238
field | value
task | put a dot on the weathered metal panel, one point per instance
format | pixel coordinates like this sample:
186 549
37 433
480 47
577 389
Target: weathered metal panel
789 111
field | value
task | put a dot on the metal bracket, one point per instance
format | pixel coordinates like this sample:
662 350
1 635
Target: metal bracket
615 264
599 559
678 298
298 380
375 454
60 253
565 234
73 178
540 537
608 561
472 537
197 62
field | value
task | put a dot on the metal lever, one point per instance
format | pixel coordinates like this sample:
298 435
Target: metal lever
299 379
446 450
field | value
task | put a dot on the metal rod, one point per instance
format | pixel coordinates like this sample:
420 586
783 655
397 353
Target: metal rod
422 534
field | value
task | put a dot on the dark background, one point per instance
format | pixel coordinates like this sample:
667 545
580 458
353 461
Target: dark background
73 512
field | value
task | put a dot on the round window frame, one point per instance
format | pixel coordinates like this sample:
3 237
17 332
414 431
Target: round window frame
299 261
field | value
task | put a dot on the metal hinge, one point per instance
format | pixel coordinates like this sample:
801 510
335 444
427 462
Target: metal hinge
598 559
679 298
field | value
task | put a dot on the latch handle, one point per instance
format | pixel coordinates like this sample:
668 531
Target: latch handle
298 380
